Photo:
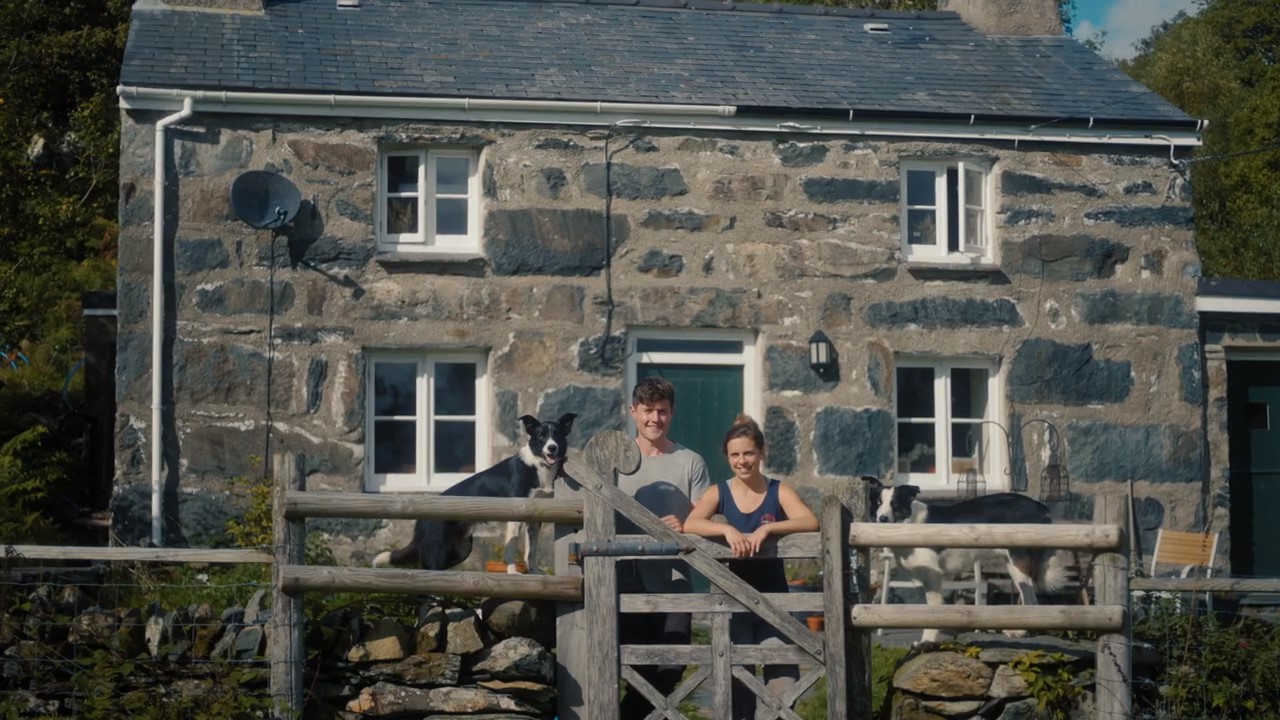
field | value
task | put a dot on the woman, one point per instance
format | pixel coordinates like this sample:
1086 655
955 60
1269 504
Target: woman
754 507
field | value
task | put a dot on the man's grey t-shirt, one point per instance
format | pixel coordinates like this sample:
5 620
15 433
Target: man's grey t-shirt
666 484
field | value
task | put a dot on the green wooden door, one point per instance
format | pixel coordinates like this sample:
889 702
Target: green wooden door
708 398
1253 426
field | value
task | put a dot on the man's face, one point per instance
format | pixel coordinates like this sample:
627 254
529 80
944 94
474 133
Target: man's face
652 421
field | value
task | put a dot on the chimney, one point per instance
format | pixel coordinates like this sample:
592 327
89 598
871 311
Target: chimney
1008 17
240 6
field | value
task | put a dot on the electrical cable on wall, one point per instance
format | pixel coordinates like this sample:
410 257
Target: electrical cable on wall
605 359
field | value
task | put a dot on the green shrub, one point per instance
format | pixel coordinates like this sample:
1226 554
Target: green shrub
1212 668
1052 681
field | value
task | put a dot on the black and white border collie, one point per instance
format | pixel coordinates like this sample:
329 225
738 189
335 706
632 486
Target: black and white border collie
1028 569
442 544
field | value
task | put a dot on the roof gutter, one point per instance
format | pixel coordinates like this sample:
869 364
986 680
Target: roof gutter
696 117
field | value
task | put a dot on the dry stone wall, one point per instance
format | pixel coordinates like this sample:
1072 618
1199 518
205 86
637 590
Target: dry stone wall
979 677
1089 307
62 654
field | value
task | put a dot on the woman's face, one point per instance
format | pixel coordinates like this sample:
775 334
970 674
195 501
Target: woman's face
744 457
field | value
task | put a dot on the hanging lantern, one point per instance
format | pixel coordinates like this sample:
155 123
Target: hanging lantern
971 485
1055 481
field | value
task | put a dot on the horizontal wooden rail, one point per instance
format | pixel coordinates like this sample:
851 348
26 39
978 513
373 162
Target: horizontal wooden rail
136 554
1061 537
701 655
1109 618
798 545
714 602
304 504
310 578
1214 585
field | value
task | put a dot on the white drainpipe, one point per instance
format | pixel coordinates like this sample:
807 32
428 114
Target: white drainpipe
157 322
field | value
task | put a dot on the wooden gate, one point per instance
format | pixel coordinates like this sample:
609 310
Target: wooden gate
588 647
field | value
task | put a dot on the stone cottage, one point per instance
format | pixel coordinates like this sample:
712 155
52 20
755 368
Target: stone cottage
522 206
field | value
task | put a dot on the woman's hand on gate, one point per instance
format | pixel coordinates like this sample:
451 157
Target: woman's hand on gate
757 538
738 542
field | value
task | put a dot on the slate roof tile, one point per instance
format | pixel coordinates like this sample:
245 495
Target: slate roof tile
672 51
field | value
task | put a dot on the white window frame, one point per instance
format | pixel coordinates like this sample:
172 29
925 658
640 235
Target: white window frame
973 250
427 240
748 360
423 479
995 454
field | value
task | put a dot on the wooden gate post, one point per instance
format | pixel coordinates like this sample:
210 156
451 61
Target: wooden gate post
571 620
605 453
1111 574
848 658
286 648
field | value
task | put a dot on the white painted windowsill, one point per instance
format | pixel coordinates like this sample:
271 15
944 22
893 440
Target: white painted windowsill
957 265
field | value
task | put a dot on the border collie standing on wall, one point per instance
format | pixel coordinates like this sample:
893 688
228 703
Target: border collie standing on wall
442 544
1028 569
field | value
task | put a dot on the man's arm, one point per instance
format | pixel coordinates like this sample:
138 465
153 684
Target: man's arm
699 481
699 478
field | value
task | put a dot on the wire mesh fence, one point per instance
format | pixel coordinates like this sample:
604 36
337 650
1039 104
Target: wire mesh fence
133 640
1198 655
180 640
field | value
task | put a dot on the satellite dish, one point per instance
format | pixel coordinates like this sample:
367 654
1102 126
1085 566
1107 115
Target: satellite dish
265 199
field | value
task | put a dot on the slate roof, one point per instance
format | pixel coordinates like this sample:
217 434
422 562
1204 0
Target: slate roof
761 58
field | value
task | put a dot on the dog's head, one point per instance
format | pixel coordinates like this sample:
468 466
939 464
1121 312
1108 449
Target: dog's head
890 503
548 441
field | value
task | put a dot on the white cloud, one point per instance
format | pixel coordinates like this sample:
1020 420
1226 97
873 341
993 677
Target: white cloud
1083 30
1128 21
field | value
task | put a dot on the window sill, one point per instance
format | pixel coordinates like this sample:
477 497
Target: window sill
964 271
444 263
426 256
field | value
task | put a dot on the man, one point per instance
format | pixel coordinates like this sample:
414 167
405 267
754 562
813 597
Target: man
670 479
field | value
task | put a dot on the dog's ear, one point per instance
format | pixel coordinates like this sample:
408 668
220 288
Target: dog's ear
910 491
531 423
566 421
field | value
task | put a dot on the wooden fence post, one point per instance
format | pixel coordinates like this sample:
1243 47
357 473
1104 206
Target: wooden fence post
1111 574
853 498
600 598
605 453
571 620
834 524
287 650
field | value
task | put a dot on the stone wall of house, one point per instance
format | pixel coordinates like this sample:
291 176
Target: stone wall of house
1090 312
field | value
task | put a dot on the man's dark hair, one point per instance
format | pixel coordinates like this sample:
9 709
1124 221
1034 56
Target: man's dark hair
652 390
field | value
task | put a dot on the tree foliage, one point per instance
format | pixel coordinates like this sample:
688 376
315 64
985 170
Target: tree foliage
1220 64
59 140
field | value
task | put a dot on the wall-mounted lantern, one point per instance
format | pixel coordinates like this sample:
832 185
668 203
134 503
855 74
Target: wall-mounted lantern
822 356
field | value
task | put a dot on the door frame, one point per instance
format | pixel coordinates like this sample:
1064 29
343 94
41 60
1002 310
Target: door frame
749 360
1242 530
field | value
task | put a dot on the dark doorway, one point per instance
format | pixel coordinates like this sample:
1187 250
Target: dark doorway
1253 429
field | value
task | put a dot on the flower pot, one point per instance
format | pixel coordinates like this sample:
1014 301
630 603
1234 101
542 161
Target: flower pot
497 566
815 622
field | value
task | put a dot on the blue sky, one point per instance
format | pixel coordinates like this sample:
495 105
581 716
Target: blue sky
1125 21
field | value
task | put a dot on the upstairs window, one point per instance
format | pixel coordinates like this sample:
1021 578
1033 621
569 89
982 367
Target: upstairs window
428 201
427 420
946 212
943 409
